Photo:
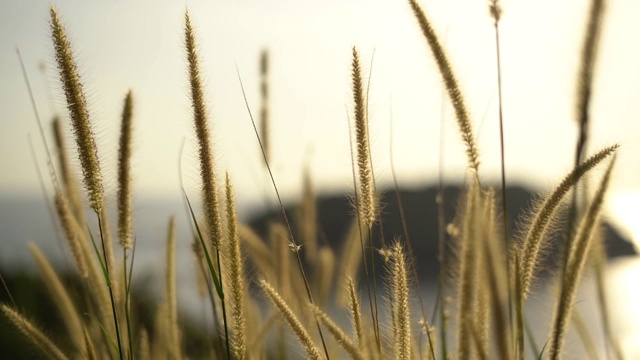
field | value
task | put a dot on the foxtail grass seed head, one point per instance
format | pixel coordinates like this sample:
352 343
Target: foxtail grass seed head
60 297
578 255
495 10
467 270
451 84
298 329
535 239
72 232
341 337
588 60
207 170
68 178
34 335
236 268
354 309
366 197
77 106
400 288
124 175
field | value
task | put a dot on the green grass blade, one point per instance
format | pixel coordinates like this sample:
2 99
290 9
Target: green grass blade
106 334
214 275
102 266
127 298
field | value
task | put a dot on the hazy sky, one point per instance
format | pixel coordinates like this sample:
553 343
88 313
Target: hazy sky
138 45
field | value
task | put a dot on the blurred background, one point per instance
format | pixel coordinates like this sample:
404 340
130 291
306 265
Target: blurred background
122 45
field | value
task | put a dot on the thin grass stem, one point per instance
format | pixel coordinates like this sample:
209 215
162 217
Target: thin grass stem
109 284
294 246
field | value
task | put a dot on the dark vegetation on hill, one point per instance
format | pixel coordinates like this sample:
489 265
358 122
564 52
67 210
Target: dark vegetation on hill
422 222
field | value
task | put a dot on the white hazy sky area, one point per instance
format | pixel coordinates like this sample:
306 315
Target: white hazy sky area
138 45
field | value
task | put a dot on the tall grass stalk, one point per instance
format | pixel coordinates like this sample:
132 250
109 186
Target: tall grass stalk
366 198
85 141
495 10
293 244
78 112
209 188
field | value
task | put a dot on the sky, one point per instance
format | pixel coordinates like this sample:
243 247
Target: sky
138 45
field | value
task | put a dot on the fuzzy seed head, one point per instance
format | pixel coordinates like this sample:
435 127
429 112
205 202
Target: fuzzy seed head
292 320
124 175
535 238
77 106
238 343
451 84
366 197
207 171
